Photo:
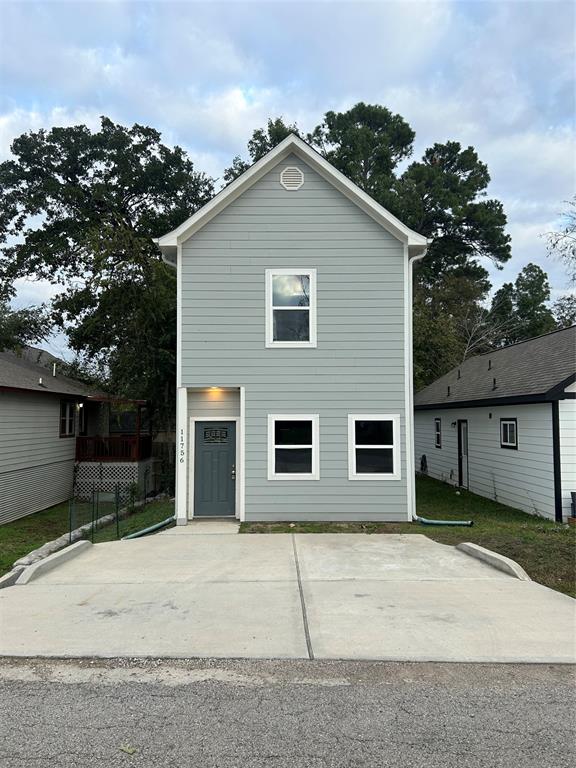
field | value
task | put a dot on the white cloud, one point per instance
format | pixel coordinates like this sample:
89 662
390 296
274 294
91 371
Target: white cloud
18 121
497 75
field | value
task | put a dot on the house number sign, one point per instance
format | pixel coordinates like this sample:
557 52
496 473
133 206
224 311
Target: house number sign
182 448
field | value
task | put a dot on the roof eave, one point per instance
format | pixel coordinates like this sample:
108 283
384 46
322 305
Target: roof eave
167 244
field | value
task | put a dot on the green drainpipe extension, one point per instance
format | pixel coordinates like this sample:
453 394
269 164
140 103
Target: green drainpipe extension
150 529
426 521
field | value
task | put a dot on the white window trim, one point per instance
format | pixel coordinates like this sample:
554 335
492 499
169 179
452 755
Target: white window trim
395 419
270 309
315 474
70 416
437 433
508 443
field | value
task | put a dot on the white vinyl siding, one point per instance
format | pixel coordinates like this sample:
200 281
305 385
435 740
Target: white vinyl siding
522 478
567 417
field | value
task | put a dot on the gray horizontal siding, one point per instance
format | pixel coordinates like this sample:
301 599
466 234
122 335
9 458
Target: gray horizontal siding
36 465
358 366
29 490
522 478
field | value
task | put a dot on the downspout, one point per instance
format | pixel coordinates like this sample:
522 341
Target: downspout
410 387
150 529
410 382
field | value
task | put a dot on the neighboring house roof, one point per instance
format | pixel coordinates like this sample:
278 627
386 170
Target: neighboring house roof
21 373
292 144
535 370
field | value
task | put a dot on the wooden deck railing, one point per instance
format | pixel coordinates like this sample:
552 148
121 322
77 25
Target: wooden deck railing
113 448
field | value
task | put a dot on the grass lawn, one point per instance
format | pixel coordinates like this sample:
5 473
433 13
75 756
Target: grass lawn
22 536
543 548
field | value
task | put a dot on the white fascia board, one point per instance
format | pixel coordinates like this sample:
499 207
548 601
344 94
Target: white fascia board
292 144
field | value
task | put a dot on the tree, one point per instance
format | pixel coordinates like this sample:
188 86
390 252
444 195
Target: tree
366 143
524 304
442 196
481 329
22 326
262 141
98 199
563 243
564 311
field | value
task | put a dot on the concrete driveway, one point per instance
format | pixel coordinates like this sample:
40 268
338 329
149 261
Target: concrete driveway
190 594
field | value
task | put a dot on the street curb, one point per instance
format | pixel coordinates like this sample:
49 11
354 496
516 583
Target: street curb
10 578
52 561
500 562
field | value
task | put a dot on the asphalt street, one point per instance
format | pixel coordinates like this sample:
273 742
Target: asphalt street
302 714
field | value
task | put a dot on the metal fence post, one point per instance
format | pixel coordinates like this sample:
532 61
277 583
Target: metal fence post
94 512
117 500
70 513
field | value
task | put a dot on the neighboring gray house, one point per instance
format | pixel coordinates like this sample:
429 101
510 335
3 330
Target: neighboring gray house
57 435
294 348
503 425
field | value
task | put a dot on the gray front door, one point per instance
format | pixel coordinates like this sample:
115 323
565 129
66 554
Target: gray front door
215 469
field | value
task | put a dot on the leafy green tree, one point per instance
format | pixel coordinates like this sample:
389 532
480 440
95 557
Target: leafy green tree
562 243
525 304
442 196
564 311
366 143
86 207
531 292
19 327
262 141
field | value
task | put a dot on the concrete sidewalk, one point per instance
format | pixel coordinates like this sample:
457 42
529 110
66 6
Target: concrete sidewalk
193 594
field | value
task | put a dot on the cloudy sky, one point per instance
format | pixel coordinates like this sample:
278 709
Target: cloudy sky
496 75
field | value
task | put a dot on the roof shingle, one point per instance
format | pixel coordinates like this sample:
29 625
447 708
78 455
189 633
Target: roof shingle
527 369
19 373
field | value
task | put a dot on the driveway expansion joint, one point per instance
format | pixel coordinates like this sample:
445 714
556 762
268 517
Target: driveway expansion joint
302 601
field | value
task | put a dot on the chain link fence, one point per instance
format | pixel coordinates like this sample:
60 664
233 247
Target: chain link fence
106 514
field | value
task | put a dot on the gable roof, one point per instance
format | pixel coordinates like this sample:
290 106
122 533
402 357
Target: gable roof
21 373
535 370
292 144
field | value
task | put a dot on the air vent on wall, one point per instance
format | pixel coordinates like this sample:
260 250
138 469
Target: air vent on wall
292 179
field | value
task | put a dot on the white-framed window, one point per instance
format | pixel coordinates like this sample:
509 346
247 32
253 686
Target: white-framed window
67 418
291 307
293 441
509 433
438 433
374 447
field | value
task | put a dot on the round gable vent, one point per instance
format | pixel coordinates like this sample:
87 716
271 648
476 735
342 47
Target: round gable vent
291 179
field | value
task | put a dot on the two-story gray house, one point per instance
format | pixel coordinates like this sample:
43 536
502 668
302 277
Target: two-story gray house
294 368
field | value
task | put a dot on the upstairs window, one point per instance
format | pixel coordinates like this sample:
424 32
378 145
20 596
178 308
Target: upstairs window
290 307
509 433
293 447
67 418
438 433
374 447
